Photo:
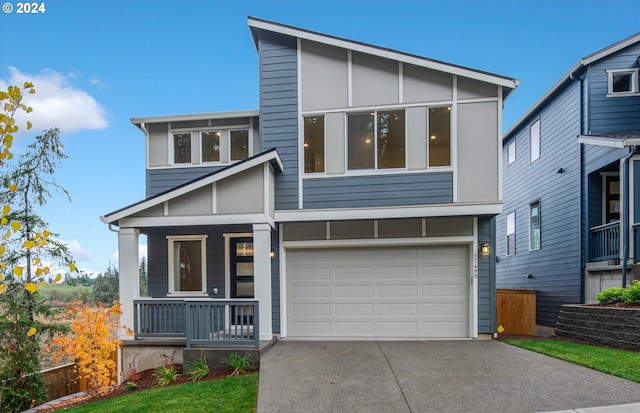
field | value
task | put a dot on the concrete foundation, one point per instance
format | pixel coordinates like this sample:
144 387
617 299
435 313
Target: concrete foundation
602 275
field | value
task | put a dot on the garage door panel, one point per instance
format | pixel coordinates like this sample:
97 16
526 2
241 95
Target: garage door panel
378 292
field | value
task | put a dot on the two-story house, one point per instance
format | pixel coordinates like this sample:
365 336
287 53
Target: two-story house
357 202
572 184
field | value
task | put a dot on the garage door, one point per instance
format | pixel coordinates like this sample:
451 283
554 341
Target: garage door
384 292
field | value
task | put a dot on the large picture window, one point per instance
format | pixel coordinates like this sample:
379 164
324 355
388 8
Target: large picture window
439 136
376 140
182 147
313 144
187 264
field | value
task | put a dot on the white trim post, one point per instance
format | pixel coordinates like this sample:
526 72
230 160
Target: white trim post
129 282
262 277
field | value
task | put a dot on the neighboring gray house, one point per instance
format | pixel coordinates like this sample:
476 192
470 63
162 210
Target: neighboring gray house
358 202
565 184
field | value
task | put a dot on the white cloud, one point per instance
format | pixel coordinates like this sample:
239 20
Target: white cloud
78 251
142 253
57 103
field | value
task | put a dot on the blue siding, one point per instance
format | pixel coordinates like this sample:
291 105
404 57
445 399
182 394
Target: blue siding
486 278
612 114
379 190
161 180
275 283
278 66
556 267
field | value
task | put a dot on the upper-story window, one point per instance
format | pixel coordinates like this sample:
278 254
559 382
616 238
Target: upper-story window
534 140
511 233
439 136
313 144
239 143
376 140
534 226
622 82
182 147
211 146
512 152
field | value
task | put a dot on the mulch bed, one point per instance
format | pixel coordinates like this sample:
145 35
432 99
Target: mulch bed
144 380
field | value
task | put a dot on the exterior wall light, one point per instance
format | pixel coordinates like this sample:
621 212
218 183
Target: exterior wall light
272 254
484 248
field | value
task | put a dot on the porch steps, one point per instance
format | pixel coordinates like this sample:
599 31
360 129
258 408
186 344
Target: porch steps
216 356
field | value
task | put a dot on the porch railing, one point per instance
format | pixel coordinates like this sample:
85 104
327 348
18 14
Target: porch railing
604 242
200 322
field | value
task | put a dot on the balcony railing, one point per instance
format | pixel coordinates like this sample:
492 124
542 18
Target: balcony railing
200 322
604 242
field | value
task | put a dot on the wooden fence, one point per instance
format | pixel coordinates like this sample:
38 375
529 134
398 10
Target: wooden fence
64 380
516 311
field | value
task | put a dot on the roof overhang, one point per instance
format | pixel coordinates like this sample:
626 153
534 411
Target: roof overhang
194 116
508 84
270 156
612 140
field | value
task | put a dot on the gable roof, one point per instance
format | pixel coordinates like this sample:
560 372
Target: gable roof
270 156
508 84
569 76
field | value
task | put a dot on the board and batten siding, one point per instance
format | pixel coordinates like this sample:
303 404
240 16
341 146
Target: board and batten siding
278 67
612 114
378 190
556 267
162 180
486 280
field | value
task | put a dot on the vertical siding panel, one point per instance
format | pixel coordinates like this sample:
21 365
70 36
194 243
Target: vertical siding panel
278 68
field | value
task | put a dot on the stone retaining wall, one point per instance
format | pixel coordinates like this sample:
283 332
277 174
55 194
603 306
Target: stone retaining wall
603 326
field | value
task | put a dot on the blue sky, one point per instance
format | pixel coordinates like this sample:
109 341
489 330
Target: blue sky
98 63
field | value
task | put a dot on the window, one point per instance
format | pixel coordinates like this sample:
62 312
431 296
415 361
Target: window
239 143
440 136
511 233
622 82
211 146
187 264
182 147
376 140
534 140
313 144
534 226
512 152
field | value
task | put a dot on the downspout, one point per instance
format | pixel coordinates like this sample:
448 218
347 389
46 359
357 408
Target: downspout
582 245
625 216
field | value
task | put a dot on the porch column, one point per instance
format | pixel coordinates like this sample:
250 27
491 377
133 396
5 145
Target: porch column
129 283
262 276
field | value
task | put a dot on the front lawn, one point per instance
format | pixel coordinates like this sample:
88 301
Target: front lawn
621 363
237 394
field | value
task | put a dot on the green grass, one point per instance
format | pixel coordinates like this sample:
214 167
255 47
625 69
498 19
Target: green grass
231 395
621 363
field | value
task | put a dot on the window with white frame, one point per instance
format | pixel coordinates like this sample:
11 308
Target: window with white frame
187 264
534 140
622 82
211 146
534 226
439 136
182 147
239 144
511 233
512 152
313 144
376 140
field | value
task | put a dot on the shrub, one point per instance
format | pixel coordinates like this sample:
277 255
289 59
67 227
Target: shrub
632 293
239 363
132 385
166 375
198 369
611 295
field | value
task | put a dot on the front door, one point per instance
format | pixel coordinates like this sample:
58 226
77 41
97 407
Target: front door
241 277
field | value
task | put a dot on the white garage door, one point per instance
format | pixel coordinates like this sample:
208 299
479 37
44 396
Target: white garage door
378 292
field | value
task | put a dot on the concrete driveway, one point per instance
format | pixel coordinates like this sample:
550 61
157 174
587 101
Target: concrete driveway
428 376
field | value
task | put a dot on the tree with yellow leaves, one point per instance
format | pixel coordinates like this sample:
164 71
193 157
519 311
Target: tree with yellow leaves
28 253
91 344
